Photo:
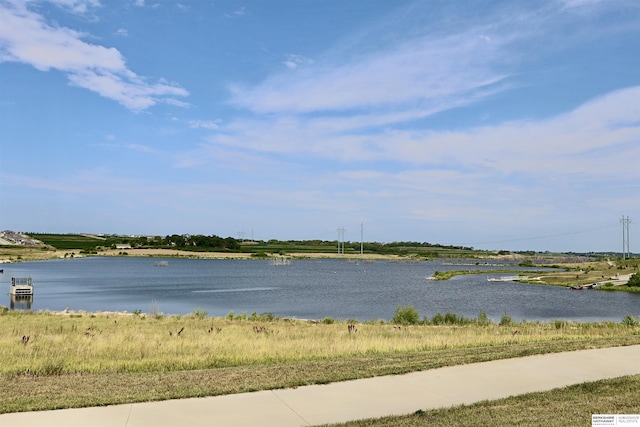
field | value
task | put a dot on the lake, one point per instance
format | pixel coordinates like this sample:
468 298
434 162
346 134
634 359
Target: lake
306 289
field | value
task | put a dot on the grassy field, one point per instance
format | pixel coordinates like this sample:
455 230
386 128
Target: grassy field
72 241
96 359
23 253
568 274
604 272
87 343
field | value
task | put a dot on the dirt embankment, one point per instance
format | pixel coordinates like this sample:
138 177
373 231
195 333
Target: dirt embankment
16 253
235 255
173 253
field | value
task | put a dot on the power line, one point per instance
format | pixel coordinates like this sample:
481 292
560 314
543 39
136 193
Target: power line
548 236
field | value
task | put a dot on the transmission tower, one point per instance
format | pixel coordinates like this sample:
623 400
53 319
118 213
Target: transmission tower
625 237
340 231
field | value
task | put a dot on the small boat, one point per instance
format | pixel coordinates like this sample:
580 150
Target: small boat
576 288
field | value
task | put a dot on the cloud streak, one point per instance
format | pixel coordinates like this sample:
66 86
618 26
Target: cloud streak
27 38
360 115
77 6
415 73
204 124
597 132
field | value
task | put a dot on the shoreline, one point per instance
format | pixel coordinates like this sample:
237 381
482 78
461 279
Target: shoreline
474 323
41 255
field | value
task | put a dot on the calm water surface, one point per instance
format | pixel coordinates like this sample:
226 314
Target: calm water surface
308 289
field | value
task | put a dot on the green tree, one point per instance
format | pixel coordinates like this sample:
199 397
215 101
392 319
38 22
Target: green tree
634 280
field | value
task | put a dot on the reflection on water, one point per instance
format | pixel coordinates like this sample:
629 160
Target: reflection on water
20 302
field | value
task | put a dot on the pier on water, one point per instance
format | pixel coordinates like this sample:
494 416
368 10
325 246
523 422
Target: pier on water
21 293
21 287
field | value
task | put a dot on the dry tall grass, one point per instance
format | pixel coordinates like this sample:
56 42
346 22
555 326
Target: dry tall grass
50 344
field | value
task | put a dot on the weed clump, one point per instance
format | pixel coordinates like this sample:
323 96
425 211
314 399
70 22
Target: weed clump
630 321
200 313
406 316
483 319
506 320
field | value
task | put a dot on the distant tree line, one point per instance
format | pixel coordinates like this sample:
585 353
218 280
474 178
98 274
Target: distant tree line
195 242
369 247
202 243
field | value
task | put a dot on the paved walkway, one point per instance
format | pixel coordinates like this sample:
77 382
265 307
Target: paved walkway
351 400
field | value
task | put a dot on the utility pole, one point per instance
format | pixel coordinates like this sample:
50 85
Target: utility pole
625 236
340 231
361 238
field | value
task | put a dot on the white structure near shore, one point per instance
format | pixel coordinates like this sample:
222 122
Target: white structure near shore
21 287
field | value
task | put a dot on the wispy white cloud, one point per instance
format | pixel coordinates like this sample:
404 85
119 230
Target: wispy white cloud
415 73
141 148
76 6
495 177
431 67
240 12
580 3
294 61
365 107
544 164
351 127
26 37
204 124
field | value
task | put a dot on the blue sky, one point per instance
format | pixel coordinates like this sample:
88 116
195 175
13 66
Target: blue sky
493 124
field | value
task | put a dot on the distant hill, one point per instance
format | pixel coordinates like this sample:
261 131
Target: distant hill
9 237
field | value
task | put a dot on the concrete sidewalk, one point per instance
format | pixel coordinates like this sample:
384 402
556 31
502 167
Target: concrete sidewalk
352 400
